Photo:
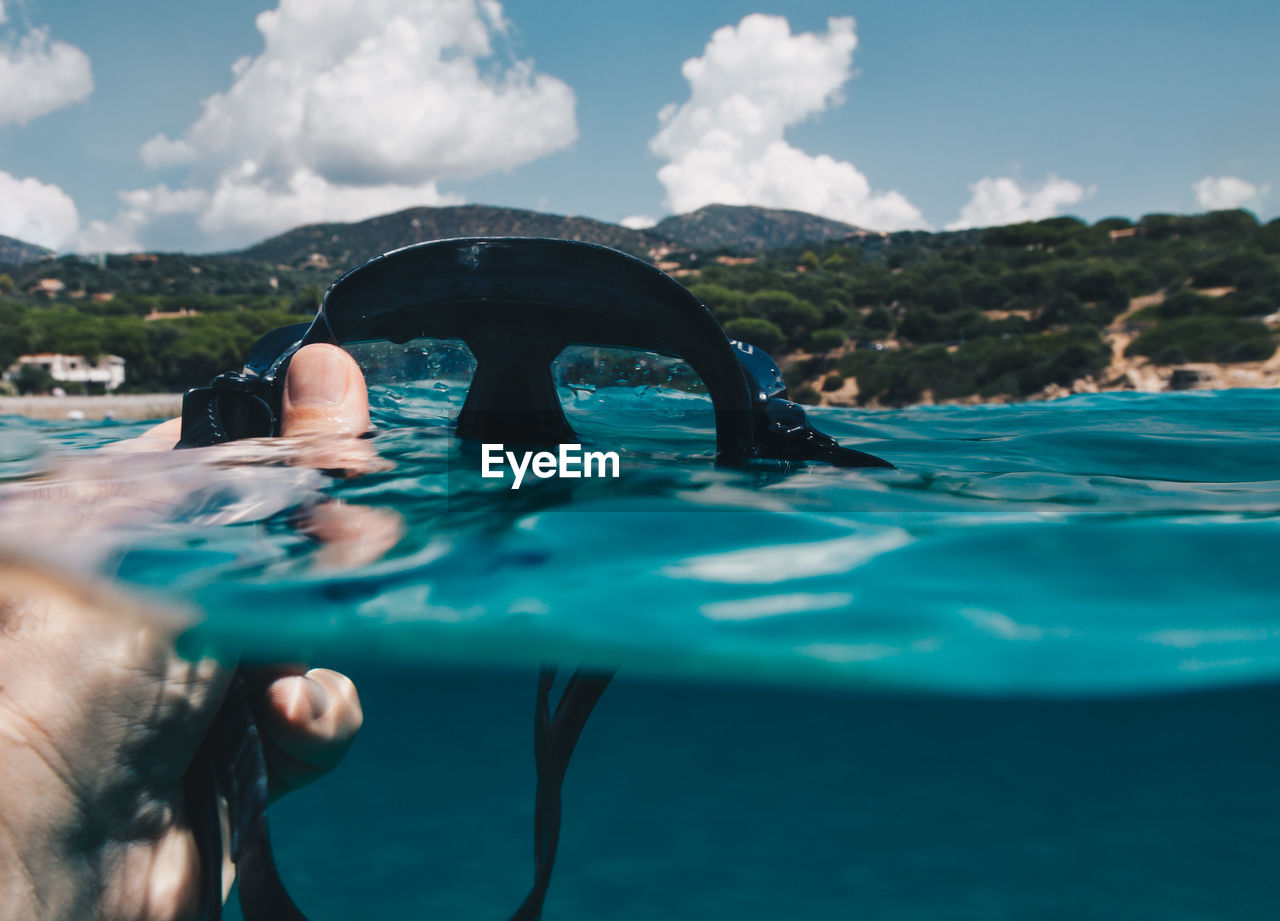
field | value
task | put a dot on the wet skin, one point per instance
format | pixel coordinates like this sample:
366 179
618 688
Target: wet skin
100 717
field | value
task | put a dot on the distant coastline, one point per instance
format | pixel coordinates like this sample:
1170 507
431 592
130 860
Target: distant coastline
123 407
1139 376
1124 373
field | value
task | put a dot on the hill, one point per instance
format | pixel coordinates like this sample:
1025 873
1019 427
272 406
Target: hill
746 228
1000 313
346 245
16 252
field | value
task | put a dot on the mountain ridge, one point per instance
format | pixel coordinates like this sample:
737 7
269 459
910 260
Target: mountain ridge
348 244
750 228
19 252
738 228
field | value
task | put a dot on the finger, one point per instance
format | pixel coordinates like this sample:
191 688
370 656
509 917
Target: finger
324 394
160 437
349 535
308 722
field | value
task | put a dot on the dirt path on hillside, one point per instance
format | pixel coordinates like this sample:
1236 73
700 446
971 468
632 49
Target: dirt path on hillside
1125 372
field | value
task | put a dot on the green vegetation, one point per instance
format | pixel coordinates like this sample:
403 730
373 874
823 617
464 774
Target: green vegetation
1001 312
32 379
1005 311
160 355
1205 338
987 366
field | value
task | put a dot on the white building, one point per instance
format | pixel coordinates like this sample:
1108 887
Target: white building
107 370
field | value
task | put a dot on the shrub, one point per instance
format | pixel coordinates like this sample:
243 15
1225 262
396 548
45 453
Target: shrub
824 340
786 310
33 379
878 322
1063 309
989 366
1269 236
897 378
1098 284
1185 303
833 381
1205 338
807 395
758 332
724 302
1233 269
1020 367
842 258
943 295
985 293
1235 222
834 314
1164 226
1053 231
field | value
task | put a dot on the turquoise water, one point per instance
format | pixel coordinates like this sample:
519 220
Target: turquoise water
1030 673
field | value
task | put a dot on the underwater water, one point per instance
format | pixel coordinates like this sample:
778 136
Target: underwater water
1032 672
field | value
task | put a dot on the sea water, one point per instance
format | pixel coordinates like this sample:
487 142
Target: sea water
1033 672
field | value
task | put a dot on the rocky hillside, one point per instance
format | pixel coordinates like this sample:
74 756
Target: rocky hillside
16 252
345 245
746 228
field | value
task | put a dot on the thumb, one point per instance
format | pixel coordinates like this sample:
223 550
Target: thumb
324 394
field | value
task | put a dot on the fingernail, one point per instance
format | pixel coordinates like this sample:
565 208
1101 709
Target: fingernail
299 688
317 378
318 697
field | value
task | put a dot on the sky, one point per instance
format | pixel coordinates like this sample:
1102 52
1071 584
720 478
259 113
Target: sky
154 125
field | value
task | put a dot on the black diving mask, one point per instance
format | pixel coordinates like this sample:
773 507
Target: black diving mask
500 338
517 340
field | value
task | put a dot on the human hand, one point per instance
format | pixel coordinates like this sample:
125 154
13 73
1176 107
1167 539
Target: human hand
100 717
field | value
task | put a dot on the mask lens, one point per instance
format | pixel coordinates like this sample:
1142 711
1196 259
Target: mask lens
421 380
634 399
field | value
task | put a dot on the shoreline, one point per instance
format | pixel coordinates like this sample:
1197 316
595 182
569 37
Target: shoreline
139 407
124 407
1139 376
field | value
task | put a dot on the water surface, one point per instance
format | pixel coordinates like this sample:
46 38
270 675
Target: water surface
1029 673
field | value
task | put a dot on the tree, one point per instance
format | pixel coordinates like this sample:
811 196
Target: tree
878 322
824 340
789 312
841 258
1205 338
307 300
725 303
756 331
33 379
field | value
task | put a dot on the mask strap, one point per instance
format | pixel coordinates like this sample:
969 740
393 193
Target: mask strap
553 741
231 763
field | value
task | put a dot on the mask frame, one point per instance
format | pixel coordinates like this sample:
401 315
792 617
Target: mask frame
517 302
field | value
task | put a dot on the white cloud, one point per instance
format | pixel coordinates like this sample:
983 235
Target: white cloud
638 222
1216 193
726 143
246 204
159 152
36 212
359 107
139 208
38 76
996 201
